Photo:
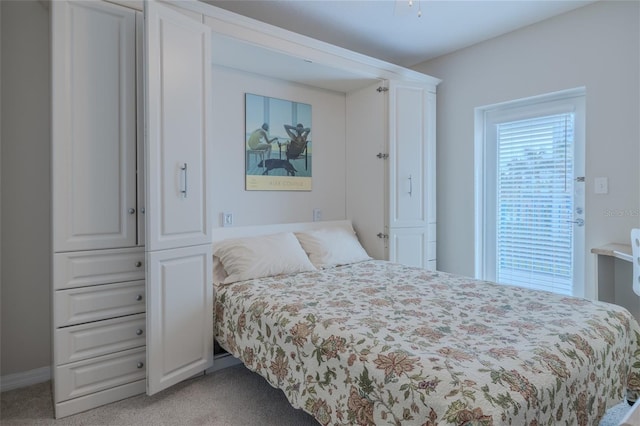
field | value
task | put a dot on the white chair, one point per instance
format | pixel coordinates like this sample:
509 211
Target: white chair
635 251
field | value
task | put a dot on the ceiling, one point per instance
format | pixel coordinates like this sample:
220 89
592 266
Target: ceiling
392 30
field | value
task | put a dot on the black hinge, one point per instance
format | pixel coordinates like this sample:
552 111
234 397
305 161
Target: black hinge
382 156
382 89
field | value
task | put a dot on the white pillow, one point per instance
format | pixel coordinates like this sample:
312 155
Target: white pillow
219 274
263 256
329 247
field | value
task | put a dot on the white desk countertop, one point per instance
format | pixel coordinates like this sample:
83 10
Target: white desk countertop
619 251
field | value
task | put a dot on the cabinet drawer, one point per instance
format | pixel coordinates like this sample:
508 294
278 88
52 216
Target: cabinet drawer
81 305
99 338
86 268
96 374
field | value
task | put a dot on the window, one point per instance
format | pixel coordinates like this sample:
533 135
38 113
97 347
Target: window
531 193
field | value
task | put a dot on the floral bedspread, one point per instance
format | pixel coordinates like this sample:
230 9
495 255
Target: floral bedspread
381 343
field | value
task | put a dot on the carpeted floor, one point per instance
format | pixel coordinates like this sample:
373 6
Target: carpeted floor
229 397
615 414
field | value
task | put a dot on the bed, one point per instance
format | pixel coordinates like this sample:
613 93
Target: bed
353 340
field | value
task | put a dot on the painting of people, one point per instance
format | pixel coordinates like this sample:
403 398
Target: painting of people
278 144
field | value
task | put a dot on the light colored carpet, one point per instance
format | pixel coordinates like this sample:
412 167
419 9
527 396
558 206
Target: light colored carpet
229 397
615 414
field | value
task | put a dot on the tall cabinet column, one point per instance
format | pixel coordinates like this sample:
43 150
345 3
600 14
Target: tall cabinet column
391 171
179 187
98 313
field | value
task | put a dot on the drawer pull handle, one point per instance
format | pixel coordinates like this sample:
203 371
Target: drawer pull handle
139 297
140 364
183 168
139 332
138 264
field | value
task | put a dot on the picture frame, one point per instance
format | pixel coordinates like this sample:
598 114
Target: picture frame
278 148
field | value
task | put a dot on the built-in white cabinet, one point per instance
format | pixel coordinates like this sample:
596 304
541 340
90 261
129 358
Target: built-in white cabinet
132 256
95 202
132 147
98 299
391 170
179 220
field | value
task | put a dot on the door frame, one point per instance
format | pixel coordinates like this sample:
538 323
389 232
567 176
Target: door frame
577 97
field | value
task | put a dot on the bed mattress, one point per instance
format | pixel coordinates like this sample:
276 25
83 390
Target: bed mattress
381 343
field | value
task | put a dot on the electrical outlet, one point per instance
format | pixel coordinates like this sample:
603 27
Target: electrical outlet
317 215
227 219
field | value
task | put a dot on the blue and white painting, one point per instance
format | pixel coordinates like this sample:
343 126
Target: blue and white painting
277 144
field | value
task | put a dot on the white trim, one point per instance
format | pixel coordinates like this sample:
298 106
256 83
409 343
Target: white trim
556 102
25 378
560 95
276 39
479 184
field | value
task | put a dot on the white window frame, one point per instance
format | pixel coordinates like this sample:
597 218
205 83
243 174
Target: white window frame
556 102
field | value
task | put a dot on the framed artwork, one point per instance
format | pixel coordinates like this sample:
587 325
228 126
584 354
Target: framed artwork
278 149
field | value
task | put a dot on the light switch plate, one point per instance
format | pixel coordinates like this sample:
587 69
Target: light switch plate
601 185
227 219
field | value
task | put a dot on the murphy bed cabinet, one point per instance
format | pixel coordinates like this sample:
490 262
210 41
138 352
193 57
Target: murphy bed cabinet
131 307
391 170
132 185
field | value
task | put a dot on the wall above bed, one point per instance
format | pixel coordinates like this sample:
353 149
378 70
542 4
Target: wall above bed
265 207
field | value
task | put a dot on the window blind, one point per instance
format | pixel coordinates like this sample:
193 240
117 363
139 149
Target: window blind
534 241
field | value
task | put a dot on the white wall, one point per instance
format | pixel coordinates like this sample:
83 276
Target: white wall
596 46
328 141
26 229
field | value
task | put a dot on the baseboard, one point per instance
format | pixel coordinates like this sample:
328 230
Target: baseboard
24 379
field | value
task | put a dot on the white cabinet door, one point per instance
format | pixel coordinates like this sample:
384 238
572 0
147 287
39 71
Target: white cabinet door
409 246
407 155
93 126
178 233
430 148
179 315
178 117
140 100
366 164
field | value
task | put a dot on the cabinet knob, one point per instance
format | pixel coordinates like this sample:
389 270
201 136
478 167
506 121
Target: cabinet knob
140 364
139 332
138 264
132 211
139 297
